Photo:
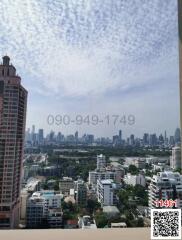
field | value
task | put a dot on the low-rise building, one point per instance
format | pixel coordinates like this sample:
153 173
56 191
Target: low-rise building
106 194
135 179
65 185
35 213
40 205
103 175
139 162
55 218
32 185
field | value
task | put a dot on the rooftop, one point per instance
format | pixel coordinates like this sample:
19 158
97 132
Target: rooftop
45 194
107 181
31 184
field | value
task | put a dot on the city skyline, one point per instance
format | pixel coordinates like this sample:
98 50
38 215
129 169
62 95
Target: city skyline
96 57
90 133
38 137
116 132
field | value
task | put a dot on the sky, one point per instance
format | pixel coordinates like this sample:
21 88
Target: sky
95 57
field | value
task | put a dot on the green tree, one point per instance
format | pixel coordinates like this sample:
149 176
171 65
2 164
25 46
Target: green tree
142 194
140 222
123 197
92 205
133 169
45 186
179 170
101 220
56 186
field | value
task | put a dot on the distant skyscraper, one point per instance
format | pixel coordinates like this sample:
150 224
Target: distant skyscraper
33 128
171 140
90 138
153 139
51 136
60 137
165 136
120 135
76 136
28 135
132 139
41 136
177 137
116 140
146 139
33 135
13 102
161 139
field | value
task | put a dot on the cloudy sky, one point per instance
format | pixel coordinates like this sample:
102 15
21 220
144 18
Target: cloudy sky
96 57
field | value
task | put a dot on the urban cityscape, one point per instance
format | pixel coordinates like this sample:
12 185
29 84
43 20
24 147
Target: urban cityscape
73 181
87 57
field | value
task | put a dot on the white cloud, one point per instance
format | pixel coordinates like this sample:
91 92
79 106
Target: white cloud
81 47
77 54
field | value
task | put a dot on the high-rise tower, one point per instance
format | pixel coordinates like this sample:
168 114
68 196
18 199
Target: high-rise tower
13 102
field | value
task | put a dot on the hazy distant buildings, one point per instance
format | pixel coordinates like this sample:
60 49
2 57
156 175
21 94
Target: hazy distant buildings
177 136
132 140
76 136
120 135
13 102
41 136
171 140
153 140
146 139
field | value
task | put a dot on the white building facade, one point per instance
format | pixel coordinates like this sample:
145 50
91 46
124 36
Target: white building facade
101 162
165 185
135 179
175 160
106 192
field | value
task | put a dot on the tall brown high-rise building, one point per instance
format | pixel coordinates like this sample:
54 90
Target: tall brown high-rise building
180 63
13 102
